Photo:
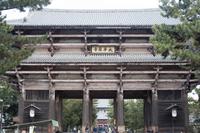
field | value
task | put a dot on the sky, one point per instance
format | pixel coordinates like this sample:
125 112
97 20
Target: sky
90 4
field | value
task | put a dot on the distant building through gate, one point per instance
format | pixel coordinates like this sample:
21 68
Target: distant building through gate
95 54
103 107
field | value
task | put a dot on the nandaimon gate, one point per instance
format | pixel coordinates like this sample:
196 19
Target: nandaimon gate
101 54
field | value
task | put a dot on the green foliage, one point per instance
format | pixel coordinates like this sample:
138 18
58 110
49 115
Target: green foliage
133 114
194 105
21 4
72 114
181 41
9 97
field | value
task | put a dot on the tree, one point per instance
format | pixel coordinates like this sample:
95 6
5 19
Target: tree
194 103
180 41
133 114
13 50
72 114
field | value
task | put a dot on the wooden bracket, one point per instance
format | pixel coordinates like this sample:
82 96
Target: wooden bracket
48 69
19 79
52 49
18 32
155 83
121 69
187 82
85 43
120 42
85 76
151 50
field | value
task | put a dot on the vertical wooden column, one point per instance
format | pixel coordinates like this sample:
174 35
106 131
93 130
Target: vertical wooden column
185 100
91 110
154 111
86 105
86 111
115 112
120 103
185 109
22 97
59 110
120 112
51 95
147 112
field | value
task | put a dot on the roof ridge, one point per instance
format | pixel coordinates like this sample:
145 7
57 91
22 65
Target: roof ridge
100 10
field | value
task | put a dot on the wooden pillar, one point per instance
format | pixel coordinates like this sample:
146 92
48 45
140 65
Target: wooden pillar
21 109
86 111
22 97
91 112
115 112
52 104
52 95
185 109
59 110
154 111
147 113
120 112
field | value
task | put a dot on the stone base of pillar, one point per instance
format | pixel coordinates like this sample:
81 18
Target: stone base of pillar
155 129
121 129
83 129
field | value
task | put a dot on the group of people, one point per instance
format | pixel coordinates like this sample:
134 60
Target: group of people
104 129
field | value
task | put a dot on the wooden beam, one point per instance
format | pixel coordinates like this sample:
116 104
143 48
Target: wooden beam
175 63
111 80
77 45
100 72
92 35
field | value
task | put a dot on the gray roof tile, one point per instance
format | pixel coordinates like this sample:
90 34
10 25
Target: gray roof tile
52 17
81 58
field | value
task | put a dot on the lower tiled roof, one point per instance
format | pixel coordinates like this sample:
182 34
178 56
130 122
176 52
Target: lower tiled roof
81 58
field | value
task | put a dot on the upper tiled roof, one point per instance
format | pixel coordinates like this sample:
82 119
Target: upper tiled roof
52 17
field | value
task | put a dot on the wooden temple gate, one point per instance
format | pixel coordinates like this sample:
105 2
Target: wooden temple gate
109 61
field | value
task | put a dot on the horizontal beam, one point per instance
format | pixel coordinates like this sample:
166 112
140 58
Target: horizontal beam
91 35
109 80
100 72
67 45
175 63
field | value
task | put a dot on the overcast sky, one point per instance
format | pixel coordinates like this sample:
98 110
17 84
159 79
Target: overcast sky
91 4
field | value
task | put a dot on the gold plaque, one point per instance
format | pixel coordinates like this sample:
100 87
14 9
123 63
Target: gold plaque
103 49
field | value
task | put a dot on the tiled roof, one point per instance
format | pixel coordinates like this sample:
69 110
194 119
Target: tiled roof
81 58
52 17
